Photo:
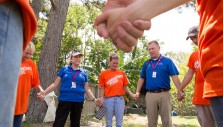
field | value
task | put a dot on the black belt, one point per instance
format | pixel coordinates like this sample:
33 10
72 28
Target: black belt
158 91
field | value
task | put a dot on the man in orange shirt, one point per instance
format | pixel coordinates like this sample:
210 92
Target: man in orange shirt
18 25
113 83
210 38
204 112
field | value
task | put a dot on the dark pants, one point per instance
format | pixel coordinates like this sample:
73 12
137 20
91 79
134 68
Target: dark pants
63 110
17 120
217 108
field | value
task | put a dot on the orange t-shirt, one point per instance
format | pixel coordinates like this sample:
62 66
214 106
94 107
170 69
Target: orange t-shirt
211 45
113 82
29 20
28 78
194 64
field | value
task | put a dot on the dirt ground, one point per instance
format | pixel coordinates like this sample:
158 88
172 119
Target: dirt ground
92 122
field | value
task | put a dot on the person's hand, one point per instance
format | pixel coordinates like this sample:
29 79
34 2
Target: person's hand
136 96
126 35
180 95
99 102
133 96
41 96
111 4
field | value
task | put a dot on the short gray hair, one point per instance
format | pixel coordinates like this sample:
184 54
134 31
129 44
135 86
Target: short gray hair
155 42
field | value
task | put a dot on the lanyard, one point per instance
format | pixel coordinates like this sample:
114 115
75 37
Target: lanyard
74 76
154 67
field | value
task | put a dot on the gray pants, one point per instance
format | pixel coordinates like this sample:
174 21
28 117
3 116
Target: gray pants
205 116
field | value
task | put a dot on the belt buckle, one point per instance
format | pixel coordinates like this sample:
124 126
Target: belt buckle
159 91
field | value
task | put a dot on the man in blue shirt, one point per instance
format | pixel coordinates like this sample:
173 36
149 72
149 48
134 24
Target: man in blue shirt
158 70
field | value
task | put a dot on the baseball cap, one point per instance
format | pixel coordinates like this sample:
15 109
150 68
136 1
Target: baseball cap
75 53
193 31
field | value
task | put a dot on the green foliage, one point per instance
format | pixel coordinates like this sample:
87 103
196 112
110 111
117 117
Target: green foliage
97 58
185 107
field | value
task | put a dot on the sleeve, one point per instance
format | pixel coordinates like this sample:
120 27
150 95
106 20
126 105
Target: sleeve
61 72
35 80
143 73
190 62
101 80
172 68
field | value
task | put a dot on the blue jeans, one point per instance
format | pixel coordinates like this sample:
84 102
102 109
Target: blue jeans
11 41
115 107
217 108
17 120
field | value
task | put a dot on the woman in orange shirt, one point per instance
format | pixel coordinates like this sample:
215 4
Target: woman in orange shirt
113 83
28 78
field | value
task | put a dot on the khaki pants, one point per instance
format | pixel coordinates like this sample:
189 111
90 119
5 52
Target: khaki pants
205 116
158 104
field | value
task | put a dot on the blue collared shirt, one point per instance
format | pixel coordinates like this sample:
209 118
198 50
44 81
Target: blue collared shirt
163 70
67 92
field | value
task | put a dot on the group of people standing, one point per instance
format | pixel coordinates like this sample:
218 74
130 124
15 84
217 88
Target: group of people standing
73 82
123 21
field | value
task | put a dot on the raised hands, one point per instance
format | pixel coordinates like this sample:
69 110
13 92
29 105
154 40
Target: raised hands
111 4
123 32
122 19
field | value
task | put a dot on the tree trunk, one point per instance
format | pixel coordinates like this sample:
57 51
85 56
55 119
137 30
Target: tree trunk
49 56
36 5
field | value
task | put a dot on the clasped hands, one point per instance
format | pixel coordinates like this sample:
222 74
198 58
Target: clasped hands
121 28
41 95
180 95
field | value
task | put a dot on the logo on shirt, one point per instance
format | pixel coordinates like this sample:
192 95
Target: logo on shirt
24 69
114 80
197 65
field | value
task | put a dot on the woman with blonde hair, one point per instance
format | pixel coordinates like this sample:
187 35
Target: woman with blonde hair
113 83
28 78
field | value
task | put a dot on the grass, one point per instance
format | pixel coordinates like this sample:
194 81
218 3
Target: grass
185 121
178 121
131 120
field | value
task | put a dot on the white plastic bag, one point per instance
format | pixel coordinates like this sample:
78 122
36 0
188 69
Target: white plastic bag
51 111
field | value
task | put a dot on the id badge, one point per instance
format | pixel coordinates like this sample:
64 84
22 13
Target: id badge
154 74
73 85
